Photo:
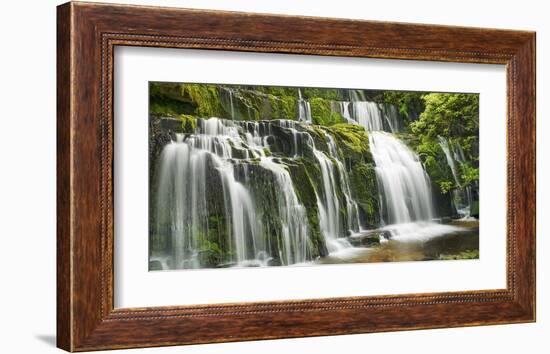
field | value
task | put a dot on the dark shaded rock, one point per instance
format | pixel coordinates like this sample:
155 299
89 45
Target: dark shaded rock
443 203
155 265
171 124
274 262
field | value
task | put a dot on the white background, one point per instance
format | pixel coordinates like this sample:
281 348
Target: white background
27 178
136 287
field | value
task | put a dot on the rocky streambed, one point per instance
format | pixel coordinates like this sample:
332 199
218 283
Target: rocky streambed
456 240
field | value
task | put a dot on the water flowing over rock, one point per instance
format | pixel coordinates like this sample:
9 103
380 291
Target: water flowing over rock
371 115
403 183
404 186
304 109
462 197
251 160
250 192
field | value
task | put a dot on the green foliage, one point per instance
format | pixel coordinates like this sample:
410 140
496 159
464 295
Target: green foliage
210 252
448 115
325 93
469 174
454 117
322 113
283 107
406 102
279 91
435 163
289 107
446 186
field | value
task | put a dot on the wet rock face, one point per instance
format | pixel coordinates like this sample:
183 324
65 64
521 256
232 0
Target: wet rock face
171 124
367 239
259 155
290 171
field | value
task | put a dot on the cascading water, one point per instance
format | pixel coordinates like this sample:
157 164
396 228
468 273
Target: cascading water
343 109
182 193
462 197
334 178
233 151
371 115
353 224
233 181
404 185
327 201
304 109
294 223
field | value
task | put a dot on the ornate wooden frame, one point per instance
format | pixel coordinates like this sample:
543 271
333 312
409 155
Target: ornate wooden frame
87 36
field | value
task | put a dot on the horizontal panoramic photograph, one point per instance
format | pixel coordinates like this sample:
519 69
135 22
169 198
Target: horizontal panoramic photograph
261 176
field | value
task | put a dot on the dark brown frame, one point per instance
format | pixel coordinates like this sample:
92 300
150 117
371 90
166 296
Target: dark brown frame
87 35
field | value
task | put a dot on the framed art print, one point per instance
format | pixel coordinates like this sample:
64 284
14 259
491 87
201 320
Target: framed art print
310 177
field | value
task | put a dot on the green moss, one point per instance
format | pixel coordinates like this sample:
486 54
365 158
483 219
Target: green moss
304 187
171 99
280 91
289 106
322 114
364 189
165 100
188 123
205 97
353 137
324 93
282 107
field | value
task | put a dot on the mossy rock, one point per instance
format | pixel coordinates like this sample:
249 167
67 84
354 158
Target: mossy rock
167 100
364 189
174 99
206 99
322 114
353 139
324 93
305 191
188 123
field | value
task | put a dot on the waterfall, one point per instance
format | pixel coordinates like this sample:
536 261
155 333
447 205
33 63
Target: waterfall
229 184
304 109
404 185
353 224
406 204
233 154
462 197
371 115
231 103
333 178
327 201
182 193
294 223
343 109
